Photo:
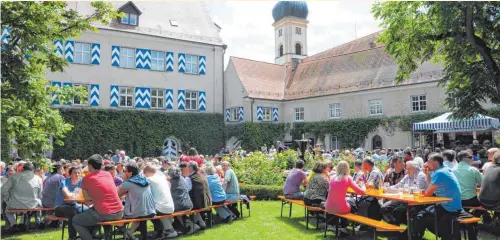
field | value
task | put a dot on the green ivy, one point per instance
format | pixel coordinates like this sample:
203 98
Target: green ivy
254 135
140 133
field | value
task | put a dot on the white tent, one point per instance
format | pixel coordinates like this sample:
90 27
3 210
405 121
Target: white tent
445 123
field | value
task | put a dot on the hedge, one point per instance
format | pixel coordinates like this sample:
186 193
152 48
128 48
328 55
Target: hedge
254 135
262 192
140 133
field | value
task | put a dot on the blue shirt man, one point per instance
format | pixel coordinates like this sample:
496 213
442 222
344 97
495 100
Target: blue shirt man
443 183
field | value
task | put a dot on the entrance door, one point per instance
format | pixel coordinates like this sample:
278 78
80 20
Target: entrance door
376 142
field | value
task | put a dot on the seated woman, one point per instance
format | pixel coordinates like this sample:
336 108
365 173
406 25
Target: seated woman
180 196
217 193
337 201
317 187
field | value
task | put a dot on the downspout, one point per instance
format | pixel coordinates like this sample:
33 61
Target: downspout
251 110
224 47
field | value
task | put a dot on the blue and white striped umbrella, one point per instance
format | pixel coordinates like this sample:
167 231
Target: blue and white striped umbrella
445 123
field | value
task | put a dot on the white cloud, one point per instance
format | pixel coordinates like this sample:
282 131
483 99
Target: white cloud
248 32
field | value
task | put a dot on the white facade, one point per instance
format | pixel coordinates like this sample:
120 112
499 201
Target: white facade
290 35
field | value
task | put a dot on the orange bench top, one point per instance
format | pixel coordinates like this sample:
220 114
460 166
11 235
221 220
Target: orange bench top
379 225
55 218
470 220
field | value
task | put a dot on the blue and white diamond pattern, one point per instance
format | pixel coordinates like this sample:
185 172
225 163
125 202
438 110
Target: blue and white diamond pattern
67 84
203 101
55 84
228 114
170 148
5 35
59 47
169 99
115 56
240 113
259 113
181 100
94 95
96 53
170 62
202 65
69 50
114 97
142 97
275 114
142 58
182 62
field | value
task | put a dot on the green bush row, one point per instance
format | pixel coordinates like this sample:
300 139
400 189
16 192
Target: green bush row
262 192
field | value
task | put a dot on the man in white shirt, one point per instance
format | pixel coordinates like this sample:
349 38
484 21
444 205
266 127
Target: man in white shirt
449 159
491 153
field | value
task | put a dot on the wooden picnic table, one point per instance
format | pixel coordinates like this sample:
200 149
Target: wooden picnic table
411 201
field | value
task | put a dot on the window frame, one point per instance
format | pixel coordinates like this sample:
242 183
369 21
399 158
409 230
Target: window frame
269 116
157 98
126 16
87 103
280 32
332 107
300 45
191 63
191 99
298 30
89 53
376 102
281 50
234 114
136 19
298 113
162 69
132 94
122 57
419 103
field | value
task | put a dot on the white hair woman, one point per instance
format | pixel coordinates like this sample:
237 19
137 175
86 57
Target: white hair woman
217 193
336 201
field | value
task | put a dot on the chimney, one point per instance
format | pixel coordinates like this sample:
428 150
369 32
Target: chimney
295 63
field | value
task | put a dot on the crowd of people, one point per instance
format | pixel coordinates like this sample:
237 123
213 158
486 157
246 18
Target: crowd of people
115 187
441 173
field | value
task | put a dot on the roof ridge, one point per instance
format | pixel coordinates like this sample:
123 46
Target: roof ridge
339 55
257 61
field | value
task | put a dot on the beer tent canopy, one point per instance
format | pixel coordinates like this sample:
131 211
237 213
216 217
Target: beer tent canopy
445 123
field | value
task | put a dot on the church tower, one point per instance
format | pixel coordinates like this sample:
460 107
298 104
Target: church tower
290 31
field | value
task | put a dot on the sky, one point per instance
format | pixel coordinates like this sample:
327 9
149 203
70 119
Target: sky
247 26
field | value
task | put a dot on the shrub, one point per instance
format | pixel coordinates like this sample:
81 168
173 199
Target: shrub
262 192
258 169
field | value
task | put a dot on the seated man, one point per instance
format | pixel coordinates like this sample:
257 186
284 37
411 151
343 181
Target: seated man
396 172
22 191
139 202
199 192
51 185
232 188
394 211
369 207
217 194
295 178
98 189
180 196
358 172
112 170
164 203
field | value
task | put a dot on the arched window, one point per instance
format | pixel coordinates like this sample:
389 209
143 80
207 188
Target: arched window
281 51
298 49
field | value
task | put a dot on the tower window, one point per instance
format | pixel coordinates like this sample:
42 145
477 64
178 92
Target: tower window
298 49
298 31
281 50
280 32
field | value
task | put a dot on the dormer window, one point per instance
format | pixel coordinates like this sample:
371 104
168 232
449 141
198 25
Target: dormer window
130 14
129 19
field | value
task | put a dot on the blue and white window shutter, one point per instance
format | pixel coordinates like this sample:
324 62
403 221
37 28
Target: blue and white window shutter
202 61
240 113
115 56
275 114
142 97
94 95
69 50
142 58
169 99
228 114
96 54
55 84
259 113
182 62
181 98
203 101
59 47
114 98
68 84
169 67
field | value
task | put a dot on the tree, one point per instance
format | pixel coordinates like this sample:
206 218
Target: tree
27 53
462 36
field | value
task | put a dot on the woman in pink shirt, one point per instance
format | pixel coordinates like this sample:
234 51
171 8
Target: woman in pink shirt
336 201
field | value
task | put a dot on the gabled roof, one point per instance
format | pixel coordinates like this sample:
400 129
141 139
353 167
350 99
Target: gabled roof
354 66
130 3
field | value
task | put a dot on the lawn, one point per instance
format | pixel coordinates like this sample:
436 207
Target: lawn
264 223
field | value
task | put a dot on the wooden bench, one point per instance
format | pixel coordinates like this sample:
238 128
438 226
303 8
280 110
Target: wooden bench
25 212
466 221
379 226
55 218
308 210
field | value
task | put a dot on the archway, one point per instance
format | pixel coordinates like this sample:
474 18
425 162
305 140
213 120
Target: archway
376 142
281 51
298 49
171 146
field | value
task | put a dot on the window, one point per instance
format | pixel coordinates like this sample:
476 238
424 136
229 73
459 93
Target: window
191 64
234 114
334 110
298 49
79 101
191 100
298 31
280 32
127 57
299 114
157 60
82 53
418 103
375 107
126 96
174 23
129 19
267 114
157 98
281 51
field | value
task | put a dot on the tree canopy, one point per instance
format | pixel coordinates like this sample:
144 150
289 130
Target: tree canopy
462 36
27 53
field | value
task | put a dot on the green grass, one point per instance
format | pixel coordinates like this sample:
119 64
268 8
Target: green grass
265 223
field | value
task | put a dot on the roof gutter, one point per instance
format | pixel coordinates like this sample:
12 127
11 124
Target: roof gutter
224 47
